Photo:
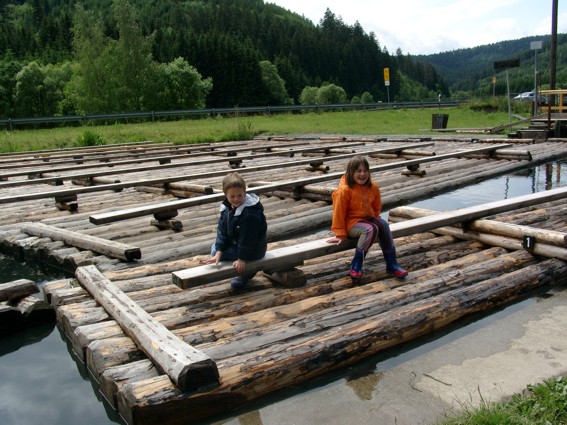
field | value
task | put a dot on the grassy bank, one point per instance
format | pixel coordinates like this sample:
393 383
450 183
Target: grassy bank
384 122
543 404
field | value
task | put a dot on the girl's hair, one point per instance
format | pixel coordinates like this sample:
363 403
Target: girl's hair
233 180
353 164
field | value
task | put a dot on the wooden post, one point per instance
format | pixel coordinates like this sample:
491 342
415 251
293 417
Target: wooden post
79 240
188 368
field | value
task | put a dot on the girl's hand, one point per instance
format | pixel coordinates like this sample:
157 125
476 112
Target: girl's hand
239 265
336 240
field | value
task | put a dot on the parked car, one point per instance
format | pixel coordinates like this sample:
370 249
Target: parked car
528 96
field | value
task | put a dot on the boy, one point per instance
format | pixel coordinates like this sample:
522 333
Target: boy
241 231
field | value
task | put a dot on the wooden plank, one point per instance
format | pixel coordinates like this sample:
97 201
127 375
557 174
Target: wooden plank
17 289
103 218
468 214
289 257
188 368
274 260
113 171
102 246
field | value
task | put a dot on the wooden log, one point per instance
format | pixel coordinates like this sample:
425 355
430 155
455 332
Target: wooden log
516 231
308 306
468 214
189 368
114 378
101 246
110 352
247 376
17 289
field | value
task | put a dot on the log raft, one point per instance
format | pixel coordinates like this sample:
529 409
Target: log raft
271 335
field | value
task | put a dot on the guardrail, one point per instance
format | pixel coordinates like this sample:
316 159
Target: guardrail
9 123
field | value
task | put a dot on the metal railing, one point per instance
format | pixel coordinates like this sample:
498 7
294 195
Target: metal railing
10 123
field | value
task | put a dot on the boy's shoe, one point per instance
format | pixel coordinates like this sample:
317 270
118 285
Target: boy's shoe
398 272
237 282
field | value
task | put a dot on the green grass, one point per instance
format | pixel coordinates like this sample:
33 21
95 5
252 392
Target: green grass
186 131
543 404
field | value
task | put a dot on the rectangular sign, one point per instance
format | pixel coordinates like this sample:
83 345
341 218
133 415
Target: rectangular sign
510 63
387 76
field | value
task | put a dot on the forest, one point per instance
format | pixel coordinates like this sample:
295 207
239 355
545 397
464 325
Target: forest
63 57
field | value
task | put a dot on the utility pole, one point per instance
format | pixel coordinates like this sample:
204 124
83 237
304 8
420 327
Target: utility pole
553 50
535 46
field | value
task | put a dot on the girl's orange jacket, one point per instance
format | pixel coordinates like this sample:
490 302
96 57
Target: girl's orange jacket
351 205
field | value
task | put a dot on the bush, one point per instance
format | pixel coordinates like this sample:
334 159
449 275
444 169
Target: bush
90 138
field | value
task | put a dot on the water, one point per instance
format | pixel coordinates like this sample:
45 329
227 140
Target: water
41 384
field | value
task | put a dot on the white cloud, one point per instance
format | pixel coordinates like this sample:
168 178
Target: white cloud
433 26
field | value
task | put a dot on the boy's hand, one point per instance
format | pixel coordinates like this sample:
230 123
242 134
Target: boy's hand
239 265
212 260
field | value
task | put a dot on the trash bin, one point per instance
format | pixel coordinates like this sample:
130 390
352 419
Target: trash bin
439 121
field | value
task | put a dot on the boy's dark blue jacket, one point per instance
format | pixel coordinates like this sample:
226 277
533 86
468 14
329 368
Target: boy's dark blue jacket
243 228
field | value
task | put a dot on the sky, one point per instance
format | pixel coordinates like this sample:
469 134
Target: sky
434 26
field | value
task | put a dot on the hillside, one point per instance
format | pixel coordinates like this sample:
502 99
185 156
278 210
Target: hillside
471 70
239 52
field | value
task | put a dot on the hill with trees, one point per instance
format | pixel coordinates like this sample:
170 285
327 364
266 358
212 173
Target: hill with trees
62 57
470 71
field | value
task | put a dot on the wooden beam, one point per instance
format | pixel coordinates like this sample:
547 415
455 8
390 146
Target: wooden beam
188 368
102 246
289 257
550 237
103 218
227 156
468 214
275 260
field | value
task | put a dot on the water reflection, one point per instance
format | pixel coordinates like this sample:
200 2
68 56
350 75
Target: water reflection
533 180
13 342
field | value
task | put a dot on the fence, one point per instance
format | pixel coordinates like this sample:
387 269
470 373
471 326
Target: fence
10 123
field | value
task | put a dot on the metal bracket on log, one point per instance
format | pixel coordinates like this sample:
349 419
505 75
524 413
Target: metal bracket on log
235 163
67 202
165 215
163 220
414 170
317 166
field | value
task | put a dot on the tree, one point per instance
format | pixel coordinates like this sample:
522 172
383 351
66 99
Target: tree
331 94
366 97
275 85
89 89
308 96
182 87
39 89
132 69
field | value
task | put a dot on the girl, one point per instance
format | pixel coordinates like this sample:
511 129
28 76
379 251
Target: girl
356 214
